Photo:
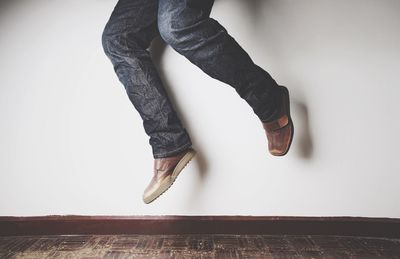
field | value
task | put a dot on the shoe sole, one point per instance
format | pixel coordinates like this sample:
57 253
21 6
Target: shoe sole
167 182
290 123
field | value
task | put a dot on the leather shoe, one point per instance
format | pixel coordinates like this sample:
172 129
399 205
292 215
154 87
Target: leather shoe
165 171
280 131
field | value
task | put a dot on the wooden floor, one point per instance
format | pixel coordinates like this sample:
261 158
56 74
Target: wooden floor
197 246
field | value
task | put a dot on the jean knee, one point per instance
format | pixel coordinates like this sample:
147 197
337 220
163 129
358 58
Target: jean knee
114 42
124 45
165 29
172 31
106 40
187 35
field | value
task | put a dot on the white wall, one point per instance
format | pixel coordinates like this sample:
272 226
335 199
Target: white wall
72 143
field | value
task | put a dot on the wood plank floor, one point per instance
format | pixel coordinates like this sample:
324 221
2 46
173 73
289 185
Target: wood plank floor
198 246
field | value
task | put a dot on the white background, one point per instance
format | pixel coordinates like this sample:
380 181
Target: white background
72 143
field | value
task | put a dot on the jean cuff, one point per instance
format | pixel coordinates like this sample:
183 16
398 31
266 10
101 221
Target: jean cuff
173 152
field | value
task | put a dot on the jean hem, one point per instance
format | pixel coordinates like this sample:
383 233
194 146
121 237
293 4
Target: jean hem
275 114
173 152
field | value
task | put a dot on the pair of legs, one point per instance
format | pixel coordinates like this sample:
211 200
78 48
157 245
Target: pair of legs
187 27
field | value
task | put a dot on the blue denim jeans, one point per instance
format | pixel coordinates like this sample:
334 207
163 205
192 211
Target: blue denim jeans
187 27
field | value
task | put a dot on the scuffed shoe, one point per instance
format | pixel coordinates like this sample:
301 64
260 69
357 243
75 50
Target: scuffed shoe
280 131
165 171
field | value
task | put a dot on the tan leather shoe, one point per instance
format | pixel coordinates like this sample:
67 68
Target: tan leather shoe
280 131
165 171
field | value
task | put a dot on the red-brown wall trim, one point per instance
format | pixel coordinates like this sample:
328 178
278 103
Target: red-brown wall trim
269 225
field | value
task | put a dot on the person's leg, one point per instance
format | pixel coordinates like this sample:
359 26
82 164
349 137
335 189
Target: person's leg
186 26
126 37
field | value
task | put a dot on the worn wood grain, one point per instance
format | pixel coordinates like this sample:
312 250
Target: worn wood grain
197 246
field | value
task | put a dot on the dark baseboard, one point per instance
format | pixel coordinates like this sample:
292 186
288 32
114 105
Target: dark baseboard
267 225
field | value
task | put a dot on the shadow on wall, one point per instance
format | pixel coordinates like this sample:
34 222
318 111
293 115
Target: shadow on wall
304 139
4 5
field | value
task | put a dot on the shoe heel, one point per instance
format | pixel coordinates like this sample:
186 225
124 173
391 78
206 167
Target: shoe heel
183 162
